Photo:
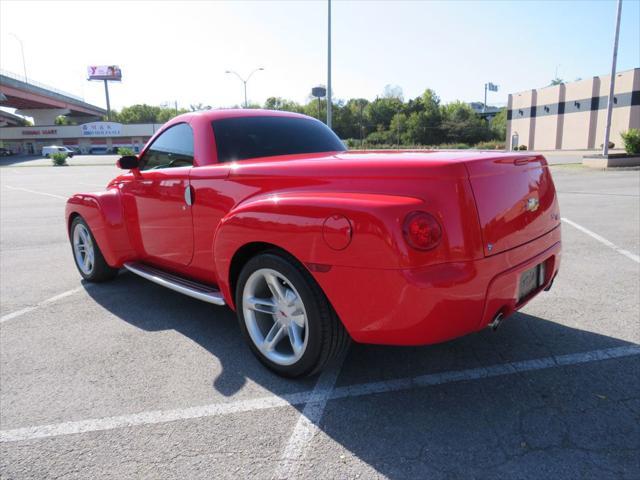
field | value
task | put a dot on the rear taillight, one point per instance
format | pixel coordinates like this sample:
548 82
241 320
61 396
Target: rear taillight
422 231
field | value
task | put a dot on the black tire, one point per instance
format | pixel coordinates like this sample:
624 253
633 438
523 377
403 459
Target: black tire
327 337
100 271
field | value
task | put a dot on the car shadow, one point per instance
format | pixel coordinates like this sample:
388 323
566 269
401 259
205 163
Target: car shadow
567 422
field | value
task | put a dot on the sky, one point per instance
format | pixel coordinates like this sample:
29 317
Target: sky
179 50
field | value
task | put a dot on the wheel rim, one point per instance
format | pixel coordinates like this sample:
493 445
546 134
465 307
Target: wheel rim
275 316
83 249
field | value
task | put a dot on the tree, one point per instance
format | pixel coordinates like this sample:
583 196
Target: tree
461 124
143 113
556 81
198 107
499 125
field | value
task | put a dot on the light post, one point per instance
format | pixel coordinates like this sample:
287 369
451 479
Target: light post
244 81
612 84
329 64
24 64
492 88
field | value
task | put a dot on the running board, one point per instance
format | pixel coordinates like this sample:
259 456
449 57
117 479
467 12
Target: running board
178 284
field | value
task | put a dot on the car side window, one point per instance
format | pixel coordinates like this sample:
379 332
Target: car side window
173 148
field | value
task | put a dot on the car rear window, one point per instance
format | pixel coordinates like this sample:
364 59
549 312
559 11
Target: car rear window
253 137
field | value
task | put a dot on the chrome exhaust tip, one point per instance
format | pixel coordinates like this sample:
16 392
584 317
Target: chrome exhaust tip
497 320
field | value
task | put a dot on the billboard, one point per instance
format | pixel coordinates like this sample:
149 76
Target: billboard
104 72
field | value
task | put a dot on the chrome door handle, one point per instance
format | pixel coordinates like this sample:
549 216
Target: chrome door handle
188 195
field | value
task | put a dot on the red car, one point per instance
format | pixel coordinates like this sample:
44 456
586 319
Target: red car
313 246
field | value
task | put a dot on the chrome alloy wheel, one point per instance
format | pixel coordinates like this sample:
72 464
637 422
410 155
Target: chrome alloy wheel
83 249
275 316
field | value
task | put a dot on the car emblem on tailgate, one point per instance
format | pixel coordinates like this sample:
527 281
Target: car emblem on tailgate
532 204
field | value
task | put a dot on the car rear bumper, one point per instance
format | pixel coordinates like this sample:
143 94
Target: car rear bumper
437 303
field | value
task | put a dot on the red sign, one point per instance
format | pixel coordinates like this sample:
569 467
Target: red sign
49 131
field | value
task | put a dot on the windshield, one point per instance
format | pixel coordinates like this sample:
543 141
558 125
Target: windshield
253 137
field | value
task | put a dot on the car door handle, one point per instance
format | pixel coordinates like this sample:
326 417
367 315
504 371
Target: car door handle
188 195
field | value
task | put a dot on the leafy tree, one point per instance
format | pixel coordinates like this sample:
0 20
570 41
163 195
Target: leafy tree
556 81
198 107
143 113
499 125
62 120
461 124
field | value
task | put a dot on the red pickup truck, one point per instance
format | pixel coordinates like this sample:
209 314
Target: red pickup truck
312 245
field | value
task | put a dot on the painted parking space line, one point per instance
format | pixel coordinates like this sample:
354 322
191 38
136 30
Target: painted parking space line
48 301
274 401
307 425
36 192
603 240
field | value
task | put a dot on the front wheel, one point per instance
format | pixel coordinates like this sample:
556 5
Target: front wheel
87 255
286 318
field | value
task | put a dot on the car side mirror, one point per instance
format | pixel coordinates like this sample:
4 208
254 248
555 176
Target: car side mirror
128 162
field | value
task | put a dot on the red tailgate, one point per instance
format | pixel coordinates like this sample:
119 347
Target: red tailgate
516 200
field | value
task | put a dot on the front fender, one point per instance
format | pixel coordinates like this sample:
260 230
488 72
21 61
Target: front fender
300 223
103 213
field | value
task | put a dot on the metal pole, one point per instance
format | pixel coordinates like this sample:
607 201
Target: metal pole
176 103
484 105
24 64
329 64
245 93
106 92
612 83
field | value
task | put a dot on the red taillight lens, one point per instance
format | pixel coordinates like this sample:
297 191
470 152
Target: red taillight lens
422 231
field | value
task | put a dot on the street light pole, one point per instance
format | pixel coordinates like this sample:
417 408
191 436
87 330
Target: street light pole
612 83
244 82
329 64
24 64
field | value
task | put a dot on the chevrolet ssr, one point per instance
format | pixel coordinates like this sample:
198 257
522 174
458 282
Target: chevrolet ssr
313 246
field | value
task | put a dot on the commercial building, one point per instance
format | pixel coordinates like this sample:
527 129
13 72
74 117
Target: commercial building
572 116
92 137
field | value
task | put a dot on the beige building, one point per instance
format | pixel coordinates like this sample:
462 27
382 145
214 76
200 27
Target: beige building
572 116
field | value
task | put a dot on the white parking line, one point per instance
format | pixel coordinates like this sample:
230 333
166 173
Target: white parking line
36 192
273 401
603 240
55 298
307 425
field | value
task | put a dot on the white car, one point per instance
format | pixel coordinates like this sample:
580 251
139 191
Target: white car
51 149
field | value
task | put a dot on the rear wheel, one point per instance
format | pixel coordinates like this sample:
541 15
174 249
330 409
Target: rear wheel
285 317
87 255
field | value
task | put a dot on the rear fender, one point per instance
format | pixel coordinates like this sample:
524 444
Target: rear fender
319 229
103 213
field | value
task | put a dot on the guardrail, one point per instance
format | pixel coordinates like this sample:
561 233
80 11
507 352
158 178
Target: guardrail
21 78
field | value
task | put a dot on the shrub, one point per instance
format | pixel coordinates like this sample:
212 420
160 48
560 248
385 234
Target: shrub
631 139
453 146
122 151
522 147
611 145
59 159
491 145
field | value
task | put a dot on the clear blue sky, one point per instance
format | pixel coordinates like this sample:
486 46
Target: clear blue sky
180 50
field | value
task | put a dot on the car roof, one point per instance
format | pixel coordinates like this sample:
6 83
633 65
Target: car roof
218 114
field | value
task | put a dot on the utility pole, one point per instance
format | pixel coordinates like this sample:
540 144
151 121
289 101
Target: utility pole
329 64
612 83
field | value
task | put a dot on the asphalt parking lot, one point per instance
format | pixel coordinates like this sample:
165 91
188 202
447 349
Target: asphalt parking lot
129 380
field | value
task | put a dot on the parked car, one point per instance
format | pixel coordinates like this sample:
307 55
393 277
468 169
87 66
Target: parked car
313 245
51 149
5 152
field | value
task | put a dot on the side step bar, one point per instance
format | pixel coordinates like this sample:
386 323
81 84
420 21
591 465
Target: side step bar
181 285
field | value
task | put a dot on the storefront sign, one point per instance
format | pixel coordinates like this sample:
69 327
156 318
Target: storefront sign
101 129
48 131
